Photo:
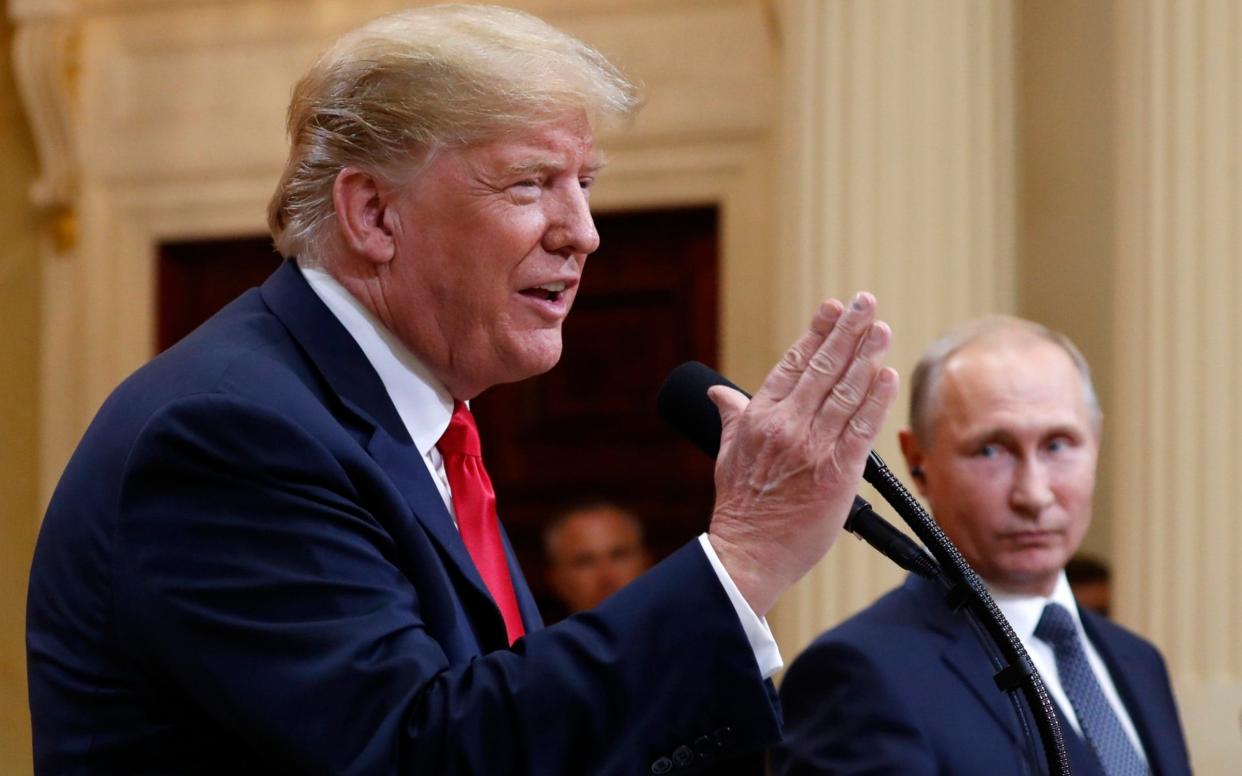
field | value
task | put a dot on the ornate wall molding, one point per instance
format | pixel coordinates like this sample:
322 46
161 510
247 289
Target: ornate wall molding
173 129
45 60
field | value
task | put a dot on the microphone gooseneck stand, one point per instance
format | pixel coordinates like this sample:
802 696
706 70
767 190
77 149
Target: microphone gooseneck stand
968 591
683 402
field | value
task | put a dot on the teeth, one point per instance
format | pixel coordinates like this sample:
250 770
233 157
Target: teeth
554 288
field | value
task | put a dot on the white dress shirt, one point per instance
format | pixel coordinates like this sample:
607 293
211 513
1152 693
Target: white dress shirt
1023 613
425 408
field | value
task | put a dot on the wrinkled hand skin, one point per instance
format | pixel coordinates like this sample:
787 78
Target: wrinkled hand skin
792 458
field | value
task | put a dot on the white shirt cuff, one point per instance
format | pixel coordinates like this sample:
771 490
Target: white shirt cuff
767 654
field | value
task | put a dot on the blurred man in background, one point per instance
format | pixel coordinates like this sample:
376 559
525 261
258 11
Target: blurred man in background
593 550
1091 581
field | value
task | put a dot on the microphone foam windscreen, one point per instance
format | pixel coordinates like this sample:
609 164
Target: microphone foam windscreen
683 403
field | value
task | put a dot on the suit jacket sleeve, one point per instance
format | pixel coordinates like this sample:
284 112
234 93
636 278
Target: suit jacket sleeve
842 716
251 579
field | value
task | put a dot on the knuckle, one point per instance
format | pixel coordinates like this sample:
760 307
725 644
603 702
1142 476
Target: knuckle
823 362
793 360
845 395
862 426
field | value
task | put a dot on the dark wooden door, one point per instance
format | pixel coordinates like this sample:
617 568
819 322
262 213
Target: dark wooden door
196 278
588 428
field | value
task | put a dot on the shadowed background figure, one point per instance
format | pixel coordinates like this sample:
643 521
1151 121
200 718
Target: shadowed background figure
593 549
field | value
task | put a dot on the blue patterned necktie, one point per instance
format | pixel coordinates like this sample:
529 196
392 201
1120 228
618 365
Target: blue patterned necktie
1100 725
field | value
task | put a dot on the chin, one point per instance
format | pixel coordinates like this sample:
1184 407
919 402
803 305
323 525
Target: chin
530 359
541 351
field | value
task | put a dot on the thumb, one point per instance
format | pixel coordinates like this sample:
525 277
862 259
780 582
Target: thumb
731 404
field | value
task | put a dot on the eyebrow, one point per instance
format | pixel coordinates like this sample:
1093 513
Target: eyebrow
550 164
1005 435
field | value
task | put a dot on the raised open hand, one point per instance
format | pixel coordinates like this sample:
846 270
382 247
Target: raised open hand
791 459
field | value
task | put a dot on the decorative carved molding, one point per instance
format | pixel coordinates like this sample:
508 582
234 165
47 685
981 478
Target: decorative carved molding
45 66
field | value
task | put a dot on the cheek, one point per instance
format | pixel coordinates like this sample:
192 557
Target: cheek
979 488
975 504
1075 484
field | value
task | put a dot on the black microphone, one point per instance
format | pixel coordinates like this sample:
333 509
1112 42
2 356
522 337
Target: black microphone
684 404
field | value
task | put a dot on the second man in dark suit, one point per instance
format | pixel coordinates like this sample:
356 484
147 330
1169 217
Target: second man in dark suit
1003 441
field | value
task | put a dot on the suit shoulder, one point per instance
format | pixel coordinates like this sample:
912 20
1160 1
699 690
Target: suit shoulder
1112 629
896 612
1119 638
243 350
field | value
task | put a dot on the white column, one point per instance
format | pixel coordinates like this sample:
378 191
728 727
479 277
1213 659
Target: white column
896 176
45 66
1176 420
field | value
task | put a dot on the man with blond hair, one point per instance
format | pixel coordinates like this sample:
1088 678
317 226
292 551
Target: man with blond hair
1003 439
277 550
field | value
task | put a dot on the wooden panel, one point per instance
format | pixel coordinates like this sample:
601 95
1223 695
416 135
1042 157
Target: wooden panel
198 278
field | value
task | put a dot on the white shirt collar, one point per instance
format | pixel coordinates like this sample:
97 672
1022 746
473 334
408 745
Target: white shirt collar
422 402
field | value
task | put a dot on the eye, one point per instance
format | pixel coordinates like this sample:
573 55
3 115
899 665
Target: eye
988 451
1058 445
526 190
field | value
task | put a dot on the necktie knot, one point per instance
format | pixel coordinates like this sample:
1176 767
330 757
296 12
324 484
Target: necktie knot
462 435
1056 627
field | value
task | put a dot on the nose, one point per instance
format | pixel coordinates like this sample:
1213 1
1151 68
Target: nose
1032 488
571 229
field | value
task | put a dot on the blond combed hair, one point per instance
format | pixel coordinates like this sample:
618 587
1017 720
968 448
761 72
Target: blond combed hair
389 94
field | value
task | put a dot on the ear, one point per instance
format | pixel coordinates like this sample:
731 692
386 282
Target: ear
913 453
363 213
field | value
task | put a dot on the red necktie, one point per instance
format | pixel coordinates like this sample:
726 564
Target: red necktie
474 501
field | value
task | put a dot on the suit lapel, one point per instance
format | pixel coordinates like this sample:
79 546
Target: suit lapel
531 619
963 653
351 378
1139 691
404 466
966 659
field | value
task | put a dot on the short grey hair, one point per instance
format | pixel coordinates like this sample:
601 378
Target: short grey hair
927 372
386 96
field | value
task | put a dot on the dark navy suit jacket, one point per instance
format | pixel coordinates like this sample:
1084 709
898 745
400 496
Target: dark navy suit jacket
247 568
904 687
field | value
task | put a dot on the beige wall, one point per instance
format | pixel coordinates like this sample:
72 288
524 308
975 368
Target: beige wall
957 156
1066 86
19 355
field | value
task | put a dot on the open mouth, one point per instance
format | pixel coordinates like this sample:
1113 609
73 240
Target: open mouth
549 292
